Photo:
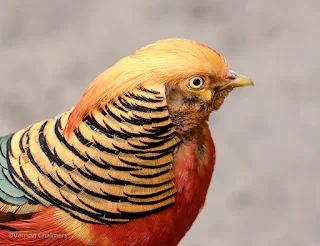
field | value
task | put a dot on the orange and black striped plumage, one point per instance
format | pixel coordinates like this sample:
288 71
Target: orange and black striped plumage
115 166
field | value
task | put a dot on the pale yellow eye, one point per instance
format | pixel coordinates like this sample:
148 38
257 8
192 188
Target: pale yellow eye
196 82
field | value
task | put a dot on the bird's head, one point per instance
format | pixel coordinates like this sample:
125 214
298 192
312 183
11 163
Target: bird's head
196 80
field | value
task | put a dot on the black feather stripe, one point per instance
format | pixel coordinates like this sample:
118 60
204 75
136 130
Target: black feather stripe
128 151
119 107
72 188
32 186
105 149
32 160
113 115
151 145
153 119
64 141
108 131
107 196
9 177
151 202
140 121
150 176
149 91
136 215
118 168
73 215
55 182
143 185
21 140
98 216
140 108
102 212
70 205
14 174
137 121
155 157
55 201
152 136
161 129
96 163
2 151
82 139
104 165
91 176
53 157
142 98
144 166
135 152
150 195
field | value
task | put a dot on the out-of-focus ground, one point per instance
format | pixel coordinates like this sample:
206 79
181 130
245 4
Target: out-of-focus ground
265 190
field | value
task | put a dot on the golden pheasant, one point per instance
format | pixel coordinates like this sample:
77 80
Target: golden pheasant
130 164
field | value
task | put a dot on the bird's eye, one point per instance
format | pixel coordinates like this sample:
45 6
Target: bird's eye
196 82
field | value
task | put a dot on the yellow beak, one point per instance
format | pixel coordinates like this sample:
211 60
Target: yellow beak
238 81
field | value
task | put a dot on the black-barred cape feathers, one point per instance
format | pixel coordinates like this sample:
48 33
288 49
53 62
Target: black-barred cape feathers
115 166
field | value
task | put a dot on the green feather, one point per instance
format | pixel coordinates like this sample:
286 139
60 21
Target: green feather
9 192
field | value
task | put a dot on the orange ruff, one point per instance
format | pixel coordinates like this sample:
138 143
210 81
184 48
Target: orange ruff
192 178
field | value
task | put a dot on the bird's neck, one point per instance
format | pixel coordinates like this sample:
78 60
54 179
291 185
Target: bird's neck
187 124
194 162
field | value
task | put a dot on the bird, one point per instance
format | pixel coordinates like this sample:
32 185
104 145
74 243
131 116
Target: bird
130 164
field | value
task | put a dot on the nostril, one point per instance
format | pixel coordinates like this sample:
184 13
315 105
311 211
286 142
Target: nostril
232 74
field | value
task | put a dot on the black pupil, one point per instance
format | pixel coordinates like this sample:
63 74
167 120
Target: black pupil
197 82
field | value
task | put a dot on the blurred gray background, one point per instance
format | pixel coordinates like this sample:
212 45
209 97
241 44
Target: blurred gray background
264 191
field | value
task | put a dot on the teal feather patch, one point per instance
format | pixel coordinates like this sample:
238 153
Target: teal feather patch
9 192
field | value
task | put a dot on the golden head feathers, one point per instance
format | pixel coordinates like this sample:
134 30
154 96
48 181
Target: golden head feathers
166 61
